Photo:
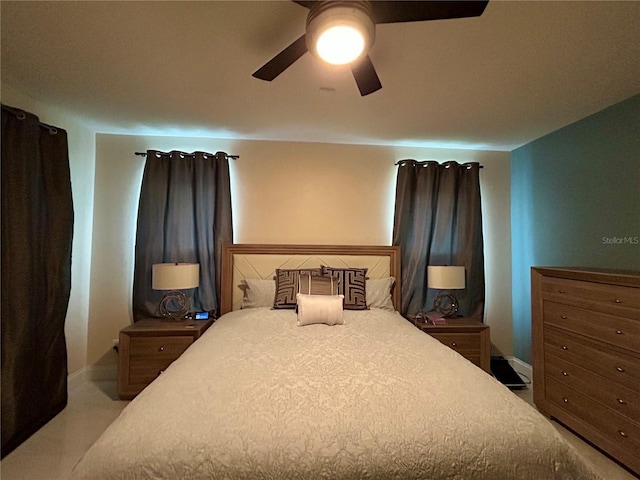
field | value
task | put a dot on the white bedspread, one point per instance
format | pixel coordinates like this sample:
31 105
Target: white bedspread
259 397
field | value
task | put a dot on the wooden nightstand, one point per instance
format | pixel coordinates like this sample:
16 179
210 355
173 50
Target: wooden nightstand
467 336
148 347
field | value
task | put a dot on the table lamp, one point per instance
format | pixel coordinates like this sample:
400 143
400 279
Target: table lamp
175 277
446 278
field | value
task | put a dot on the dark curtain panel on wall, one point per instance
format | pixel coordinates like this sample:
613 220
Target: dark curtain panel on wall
438 221
184 215
37 230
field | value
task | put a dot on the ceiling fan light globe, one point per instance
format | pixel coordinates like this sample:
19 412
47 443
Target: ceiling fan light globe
340 45
340 32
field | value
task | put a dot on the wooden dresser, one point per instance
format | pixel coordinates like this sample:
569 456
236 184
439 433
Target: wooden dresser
586 355
148 347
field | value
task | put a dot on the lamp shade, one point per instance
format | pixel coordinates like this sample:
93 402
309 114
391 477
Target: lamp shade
446 278
175 276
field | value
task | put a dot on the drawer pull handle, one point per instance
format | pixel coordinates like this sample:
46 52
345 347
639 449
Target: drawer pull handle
565 374
620 369
565 399
564 347
454 344
161 348
618 332
564 317
622 434
621 401
618 300
562 291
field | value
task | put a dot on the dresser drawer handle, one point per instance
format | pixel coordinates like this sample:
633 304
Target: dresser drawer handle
565 399
618 332
621 401
564 347
622 434
618 300
620 369
565 374
454 344
161 348
562 291
564 317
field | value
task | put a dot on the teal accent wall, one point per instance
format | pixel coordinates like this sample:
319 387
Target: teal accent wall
575 201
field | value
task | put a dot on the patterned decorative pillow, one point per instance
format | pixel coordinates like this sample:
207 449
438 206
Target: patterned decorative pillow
287 286
352 283
315 285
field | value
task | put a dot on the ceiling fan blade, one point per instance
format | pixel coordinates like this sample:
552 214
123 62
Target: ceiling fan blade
412 11
306 3
366 76
282 61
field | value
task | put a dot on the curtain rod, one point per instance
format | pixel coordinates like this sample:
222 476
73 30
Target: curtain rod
232 157
425 161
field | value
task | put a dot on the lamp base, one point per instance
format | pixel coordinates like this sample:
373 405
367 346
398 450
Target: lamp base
174 305
446 304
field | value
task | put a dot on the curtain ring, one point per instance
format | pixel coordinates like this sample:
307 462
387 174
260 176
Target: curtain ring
21 115
158 155
53 131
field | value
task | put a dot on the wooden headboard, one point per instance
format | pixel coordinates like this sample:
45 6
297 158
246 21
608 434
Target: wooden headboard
241 261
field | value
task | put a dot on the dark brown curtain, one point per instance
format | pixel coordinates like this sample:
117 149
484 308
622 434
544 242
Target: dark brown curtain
438 221
37 231
184 215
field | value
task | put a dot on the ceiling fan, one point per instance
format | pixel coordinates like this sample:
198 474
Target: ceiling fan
356 20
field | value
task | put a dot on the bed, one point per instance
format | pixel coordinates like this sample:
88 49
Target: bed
260 397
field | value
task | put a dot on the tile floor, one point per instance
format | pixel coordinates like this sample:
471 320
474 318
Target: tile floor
51 453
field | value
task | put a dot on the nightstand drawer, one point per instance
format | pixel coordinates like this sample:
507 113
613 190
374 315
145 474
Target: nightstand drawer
467 336
143 373
149 348
460 342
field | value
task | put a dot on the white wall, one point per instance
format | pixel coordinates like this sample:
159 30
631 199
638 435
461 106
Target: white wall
81 142
283 192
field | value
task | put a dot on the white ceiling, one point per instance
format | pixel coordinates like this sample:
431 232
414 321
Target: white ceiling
520 71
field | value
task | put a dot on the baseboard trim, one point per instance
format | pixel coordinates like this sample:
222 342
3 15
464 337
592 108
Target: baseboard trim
521 368
96 373
76 378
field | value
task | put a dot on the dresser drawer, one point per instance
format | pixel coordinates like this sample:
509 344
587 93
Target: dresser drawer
463 343
618 367
598 296
618 430
611 394
621 332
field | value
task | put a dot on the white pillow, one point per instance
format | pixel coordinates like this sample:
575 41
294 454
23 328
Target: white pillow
258 293
325 309
379 293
